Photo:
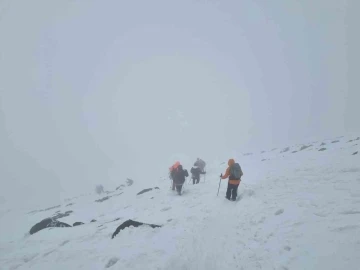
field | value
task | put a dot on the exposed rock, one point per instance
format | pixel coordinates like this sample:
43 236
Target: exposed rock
69 204
294 152
116 219
304 147
120 187
146 190
322 149
78 224
129 182
355 153
285 150
93 220
336 141
61 215
103 199
111 262
50 208
133 223
47 223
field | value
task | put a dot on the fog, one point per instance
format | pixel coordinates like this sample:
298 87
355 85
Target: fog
96 91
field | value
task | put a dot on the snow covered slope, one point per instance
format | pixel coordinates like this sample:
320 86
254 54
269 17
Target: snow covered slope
297 209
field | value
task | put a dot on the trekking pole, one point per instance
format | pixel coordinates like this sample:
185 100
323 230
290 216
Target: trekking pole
219 185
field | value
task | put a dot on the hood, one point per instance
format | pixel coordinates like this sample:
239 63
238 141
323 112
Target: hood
231 162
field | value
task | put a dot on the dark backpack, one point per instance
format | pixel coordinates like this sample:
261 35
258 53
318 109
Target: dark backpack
172 174
235 171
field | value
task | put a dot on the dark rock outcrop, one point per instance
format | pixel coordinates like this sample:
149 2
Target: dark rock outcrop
103 199
355 153
146 190
120 187
133 223
322 149
93 220
47 223
78 224
336 141
305 147
129 182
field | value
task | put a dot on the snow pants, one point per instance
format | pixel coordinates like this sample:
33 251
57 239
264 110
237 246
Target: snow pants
196 180
179 188
232 192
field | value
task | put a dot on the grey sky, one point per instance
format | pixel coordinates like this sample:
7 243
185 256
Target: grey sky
92 91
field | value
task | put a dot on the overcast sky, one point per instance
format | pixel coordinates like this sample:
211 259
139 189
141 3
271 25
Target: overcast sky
97 91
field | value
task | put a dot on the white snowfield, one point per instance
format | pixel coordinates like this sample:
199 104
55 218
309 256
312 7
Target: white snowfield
295 211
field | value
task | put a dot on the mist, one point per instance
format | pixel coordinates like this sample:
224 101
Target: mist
94 92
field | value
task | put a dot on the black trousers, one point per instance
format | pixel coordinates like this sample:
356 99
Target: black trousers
197 180
232 191
179 188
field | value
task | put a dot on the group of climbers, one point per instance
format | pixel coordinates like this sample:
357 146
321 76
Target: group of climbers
178 174
233 173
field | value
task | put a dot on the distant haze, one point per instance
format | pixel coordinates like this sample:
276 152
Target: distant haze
96 91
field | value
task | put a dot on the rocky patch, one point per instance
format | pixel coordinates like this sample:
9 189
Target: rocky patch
133 223
78 224
146 190
47 223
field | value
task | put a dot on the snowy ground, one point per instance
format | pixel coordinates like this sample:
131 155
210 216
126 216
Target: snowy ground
295 211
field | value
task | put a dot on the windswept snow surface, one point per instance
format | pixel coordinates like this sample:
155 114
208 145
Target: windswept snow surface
296 210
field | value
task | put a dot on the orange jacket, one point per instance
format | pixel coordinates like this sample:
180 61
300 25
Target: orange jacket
227 173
